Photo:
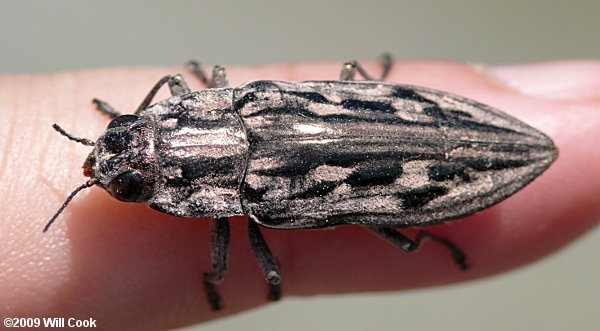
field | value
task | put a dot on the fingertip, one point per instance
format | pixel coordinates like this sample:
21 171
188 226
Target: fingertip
559 80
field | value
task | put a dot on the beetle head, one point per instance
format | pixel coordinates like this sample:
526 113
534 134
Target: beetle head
121 162
122 159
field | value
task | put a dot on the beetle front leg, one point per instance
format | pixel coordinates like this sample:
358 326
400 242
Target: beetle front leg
220 238
266 260
349 69
106 108
399 240
177 85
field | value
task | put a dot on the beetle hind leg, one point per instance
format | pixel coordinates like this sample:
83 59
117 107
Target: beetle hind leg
399 240
349 69
267 262
220 238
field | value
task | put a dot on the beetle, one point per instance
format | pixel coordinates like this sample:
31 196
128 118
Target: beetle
309 155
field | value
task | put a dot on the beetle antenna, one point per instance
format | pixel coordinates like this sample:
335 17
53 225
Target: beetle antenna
84 141
89 183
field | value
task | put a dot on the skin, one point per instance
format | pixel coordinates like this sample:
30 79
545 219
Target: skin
130 267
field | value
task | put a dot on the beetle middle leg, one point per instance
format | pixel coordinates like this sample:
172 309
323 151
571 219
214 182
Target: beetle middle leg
219 254
218 78
177 86
399 240
349 69
266 260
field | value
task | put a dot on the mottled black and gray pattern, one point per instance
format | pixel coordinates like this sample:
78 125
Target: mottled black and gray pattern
319 154
329 153
194 152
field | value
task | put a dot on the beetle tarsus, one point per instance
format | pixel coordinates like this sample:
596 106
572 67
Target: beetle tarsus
401 241
460 258
350 68
274 292
212 294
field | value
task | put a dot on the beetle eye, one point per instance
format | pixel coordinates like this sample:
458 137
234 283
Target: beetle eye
123 120
127 186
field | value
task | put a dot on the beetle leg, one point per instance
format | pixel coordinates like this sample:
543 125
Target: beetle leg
220 239
106 108
218 79
266 260
387 62
177 85
406 244
349 69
